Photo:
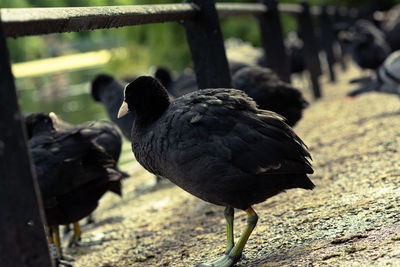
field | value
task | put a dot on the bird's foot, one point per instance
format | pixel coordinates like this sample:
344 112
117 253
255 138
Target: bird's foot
78 243
224 261
159 180
65 258
90 220
64 261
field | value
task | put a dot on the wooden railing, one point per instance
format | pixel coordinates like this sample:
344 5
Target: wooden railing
22 239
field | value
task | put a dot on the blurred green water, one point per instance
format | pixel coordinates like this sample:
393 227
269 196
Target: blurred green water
72 102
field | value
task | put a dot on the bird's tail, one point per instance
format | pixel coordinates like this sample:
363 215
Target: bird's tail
115 178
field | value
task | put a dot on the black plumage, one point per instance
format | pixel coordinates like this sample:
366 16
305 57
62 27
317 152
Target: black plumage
108 134
271 93
368 46
262 84
108 91
217 145
186 82
73 171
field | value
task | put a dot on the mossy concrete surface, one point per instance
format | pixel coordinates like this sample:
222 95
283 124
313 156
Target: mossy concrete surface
351 218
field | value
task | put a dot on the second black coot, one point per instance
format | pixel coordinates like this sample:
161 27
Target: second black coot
110 93
262 84
73 172
108 137
368 46
217 145
270 92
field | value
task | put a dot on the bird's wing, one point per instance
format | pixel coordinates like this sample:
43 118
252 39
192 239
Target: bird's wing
228 130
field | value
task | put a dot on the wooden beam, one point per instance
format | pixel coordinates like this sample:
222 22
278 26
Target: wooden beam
311 48
23 242
272 37
37 21
327 40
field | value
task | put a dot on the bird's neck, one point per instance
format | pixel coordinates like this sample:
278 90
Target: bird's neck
148 113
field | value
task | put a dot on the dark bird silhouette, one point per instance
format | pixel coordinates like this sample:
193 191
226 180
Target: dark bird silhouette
186 82
109 136
73 173
109 92
183 84
262 84
367 45
270 92
217 145
385 80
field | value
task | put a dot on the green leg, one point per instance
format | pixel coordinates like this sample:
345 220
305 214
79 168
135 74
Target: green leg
237 250
229 215
234 254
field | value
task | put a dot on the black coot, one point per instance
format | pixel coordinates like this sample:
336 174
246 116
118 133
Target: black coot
186 81
270 92
108 137
217 145
73 172
110 92
368 46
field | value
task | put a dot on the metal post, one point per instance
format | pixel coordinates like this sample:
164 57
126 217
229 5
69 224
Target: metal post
207 46
311 48
272 37
22 237
327 40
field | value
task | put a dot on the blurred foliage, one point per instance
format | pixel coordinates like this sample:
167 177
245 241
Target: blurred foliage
67 93
156 44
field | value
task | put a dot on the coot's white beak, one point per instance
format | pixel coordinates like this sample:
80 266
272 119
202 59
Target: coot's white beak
123 110
54 118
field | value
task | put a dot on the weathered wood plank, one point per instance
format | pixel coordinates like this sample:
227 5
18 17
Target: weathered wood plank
207 47
240 9
36 21
22 238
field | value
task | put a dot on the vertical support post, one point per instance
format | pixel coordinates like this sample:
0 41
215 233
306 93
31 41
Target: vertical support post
272 38
327 40
22 237
338 18
311 47
207 46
